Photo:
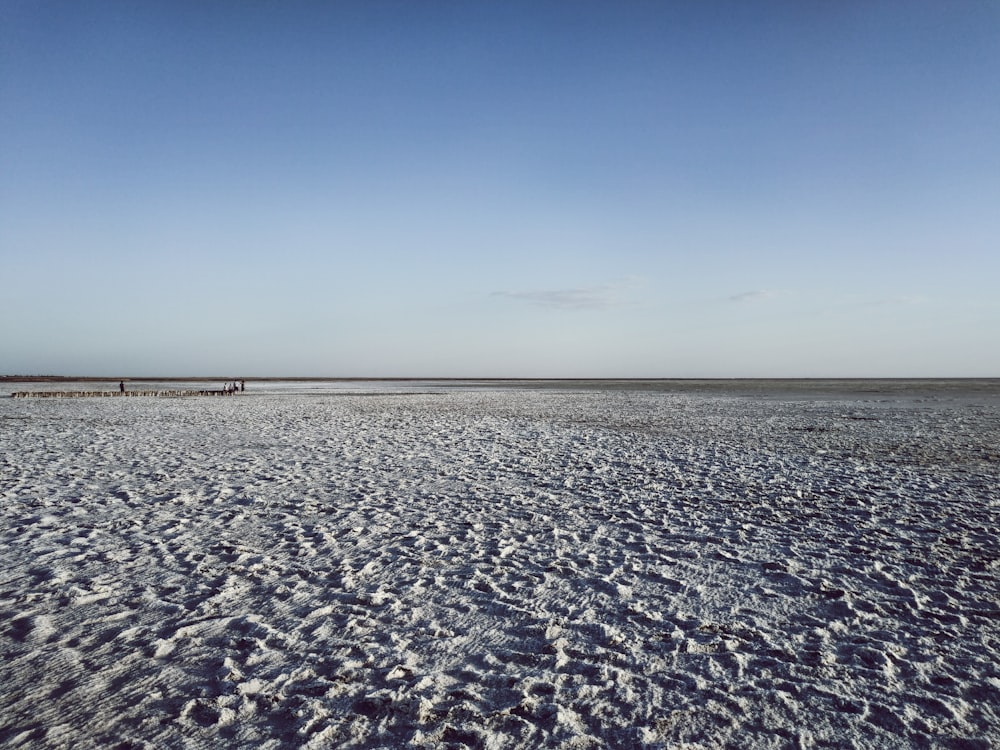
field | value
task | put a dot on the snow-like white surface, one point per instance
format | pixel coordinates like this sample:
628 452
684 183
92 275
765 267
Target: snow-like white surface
500 568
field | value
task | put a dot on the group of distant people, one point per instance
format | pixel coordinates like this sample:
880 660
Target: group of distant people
235 387
228 389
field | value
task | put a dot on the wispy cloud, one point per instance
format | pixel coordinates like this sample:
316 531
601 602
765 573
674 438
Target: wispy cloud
599 297
757 295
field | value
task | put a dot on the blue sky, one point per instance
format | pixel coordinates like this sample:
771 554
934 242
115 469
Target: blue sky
536 189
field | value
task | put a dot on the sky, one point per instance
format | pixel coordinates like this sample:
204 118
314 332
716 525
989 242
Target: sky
500 189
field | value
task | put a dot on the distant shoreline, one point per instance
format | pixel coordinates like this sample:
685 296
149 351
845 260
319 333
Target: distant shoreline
410 379
766 388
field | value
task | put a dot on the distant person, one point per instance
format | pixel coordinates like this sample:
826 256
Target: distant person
121 386
243 386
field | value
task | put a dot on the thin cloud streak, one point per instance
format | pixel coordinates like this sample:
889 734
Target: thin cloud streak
584 298
756 295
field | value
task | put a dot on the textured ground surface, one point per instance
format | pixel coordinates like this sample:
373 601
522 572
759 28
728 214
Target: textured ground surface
500 568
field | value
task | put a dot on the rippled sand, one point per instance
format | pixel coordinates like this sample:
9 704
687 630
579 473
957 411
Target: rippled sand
503 567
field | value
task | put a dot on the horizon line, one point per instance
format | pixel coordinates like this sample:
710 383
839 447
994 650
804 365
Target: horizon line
476 378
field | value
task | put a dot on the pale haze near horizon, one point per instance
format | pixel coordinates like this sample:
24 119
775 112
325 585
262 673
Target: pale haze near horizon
489 189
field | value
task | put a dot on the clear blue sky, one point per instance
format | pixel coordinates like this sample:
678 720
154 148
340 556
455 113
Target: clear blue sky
592 189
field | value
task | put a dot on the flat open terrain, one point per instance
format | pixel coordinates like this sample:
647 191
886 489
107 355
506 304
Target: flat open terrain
581 565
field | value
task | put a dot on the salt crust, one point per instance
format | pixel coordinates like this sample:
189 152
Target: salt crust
500 569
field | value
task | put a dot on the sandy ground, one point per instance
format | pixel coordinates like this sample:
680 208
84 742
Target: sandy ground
501 568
